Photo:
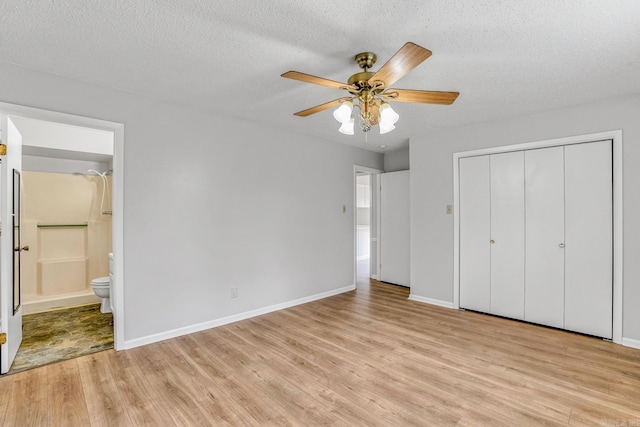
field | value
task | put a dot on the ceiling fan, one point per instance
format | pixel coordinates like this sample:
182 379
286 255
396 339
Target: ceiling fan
371 90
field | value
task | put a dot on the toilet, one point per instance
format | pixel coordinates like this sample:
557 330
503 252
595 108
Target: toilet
100 287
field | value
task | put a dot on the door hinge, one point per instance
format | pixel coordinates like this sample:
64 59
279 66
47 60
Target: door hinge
3 338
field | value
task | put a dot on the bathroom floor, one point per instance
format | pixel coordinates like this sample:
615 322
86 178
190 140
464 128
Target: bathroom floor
59 335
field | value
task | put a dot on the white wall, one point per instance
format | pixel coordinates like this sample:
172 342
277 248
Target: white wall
212 203
432 190
396 160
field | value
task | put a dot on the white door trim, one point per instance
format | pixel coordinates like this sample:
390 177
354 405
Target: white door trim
118 197
616 137
375 188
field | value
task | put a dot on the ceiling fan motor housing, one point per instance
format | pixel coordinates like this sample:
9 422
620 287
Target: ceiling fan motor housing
360 80
365 60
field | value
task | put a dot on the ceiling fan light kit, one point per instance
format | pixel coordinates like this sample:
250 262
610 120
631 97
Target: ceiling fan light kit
347 127
388 117
370 91
343 112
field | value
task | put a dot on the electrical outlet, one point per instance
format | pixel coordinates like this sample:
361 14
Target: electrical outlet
234 292
449 209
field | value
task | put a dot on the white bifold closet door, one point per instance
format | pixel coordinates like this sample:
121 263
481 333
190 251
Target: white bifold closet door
507 234
475 233
536 236
588 238
492 234
569 262
544 175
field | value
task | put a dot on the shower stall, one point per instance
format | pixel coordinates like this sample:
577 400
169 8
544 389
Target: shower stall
66 221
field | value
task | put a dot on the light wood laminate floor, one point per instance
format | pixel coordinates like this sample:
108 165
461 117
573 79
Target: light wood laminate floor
368 357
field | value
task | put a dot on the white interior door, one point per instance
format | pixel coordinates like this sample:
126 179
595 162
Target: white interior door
394 228
507 234
544 198
475 233
10 304
588 235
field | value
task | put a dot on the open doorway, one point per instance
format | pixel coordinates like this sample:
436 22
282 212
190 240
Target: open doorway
65 219
99 172
363 226
66 212
366 184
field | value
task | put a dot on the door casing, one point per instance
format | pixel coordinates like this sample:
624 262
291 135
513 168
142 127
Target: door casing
117 195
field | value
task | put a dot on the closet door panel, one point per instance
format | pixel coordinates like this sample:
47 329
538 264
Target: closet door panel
507 234
475 221
588 251
544 265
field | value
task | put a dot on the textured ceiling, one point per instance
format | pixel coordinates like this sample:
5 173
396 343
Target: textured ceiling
506 58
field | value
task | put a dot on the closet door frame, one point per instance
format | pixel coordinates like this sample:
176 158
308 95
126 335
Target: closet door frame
616 137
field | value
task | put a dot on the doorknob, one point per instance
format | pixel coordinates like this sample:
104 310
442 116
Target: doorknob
24 248
492 241
561 245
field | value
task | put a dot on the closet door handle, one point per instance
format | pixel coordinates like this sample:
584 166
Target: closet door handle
561 245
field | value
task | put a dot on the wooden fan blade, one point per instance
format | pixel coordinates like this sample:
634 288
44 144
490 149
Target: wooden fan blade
308 78
422 96
321 107
406 59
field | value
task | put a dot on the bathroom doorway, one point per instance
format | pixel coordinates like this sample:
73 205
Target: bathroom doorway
66 224
66 213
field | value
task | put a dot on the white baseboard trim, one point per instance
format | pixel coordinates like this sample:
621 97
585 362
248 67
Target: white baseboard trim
437 302
231 319
628 342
